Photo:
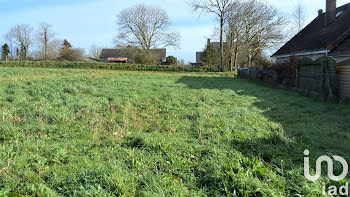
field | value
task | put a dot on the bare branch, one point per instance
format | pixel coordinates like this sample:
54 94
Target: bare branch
220 8
146 27
44 36
299 16
22 37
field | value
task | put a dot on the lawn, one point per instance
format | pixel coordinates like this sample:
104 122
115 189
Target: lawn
76 132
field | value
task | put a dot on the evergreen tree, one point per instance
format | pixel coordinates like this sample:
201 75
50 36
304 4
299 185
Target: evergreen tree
66 44
68 53
171 60
23 52
18 53
211 56
5 52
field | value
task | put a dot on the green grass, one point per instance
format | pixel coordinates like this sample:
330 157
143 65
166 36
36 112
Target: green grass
67 132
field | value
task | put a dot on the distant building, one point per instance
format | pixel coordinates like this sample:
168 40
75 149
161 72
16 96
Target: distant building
328 34
200 54
128 55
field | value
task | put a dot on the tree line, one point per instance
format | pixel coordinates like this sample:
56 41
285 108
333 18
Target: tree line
246 29
22 42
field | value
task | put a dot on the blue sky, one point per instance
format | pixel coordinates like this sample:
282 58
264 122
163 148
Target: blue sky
87 22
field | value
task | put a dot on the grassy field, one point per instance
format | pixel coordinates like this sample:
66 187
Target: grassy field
66 132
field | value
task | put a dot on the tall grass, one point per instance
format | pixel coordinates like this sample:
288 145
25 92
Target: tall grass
97 133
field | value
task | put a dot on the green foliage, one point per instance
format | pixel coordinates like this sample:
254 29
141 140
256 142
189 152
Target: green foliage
145 57
5 52
171 60
211 56
81 132
67 52
23 53
105 66
70 54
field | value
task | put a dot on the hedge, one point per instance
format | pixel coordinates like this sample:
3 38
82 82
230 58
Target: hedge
107 66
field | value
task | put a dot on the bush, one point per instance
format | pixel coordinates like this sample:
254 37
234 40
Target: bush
285 70
171 60
146 57
71 54
289 67
107 66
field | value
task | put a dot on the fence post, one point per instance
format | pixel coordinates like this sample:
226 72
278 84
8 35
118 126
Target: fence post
328 77
297 76
322 77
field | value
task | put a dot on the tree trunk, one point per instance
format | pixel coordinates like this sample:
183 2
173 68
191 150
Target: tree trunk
222 68
232 60
232 52
236 58
249 59
45 50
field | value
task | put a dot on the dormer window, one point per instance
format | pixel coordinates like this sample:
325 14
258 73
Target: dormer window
339 14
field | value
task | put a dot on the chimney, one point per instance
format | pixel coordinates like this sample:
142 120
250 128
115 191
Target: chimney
320 12
208 42
331 11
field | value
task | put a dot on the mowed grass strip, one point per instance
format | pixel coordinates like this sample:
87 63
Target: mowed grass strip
117 133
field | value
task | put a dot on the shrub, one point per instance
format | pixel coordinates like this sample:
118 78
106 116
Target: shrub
107 66
71 54
146 57
286 69
171 60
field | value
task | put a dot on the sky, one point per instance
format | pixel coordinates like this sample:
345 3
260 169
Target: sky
88 22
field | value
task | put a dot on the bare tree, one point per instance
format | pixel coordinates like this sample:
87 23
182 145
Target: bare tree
235 31
146 27
299 16
23 37
263 27
257 25
44 37
220 8
95 52
52 50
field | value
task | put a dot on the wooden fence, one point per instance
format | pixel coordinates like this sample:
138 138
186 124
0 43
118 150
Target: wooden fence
318 76
343 70
323 77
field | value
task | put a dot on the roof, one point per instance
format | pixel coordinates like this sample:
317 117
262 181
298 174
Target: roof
215 44
122 53
347 62
106 53
316 36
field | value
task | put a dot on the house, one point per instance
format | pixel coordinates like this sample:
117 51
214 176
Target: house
328 34
199 55
129 55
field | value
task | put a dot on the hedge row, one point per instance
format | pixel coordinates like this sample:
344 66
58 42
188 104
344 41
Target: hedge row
107 66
